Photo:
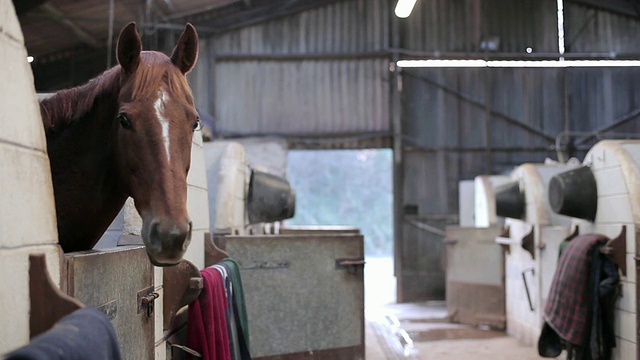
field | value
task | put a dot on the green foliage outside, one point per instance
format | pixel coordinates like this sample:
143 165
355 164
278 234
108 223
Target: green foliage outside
345 187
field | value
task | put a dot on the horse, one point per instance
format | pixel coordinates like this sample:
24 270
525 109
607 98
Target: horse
126 133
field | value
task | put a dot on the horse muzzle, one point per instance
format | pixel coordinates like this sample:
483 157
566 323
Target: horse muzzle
166 241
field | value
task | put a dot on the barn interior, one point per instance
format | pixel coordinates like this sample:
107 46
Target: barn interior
458 100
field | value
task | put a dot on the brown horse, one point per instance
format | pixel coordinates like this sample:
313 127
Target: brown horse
127 132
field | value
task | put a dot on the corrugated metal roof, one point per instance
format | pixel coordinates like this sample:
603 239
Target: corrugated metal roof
63 24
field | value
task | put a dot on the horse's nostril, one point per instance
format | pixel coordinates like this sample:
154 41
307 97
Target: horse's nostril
155 230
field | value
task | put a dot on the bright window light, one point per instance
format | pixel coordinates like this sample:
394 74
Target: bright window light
404 8
30 58
516 63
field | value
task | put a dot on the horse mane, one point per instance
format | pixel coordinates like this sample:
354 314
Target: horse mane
69 105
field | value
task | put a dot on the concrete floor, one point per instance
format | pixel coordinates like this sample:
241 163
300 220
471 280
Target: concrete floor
420 331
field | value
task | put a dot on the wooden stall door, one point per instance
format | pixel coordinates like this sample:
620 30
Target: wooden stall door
304 294
113 281
475 276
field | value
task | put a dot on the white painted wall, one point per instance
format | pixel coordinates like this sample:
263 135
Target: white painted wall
549 229
616 167
266 155
27 214
466 203
485 199
228 179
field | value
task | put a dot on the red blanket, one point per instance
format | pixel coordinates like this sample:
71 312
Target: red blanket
207 323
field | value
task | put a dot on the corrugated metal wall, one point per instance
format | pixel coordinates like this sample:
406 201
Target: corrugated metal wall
349 27
589 30
460 123
320 72
460 25
302 97
325 73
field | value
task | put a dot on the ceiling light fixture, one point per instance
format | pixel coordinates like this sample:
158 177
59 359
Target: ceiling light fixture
438 63
404 8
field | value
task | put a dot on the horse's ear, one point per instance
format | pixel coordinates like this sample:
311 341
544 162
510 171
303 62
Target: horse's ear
129 48
185 53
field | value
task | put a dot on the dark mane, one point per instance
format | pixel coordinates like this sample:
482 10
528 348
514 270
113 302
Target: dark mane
67 106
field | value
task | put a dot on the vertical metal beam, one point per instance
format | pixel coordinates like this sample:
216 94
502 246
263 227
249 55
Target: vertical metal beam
566 115
398 165
110 38
211 87
487 120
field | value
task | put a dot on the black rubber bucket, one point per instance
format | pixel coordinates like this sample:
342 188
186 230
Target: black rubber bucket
270 198
574 193
510 201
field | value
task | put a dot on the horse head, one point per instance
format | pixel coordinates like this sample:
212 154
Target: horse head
155 121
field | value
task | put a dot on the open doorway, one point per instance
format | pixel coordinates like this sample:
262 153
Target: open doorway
354 188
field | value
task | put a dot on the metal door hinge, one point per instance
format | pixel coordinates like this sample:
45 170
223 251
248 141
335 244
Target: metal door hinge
146 298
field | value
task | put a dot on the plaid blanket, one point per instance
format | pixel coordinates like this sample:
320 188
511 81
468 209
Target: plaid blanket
567 307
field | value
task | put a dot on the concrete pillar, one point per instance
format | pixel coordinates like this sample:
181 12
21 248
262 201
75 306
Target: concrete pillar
27 214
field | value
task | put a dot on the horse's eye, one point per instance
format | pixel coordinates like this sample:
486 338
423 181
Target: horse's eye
125 122
197 125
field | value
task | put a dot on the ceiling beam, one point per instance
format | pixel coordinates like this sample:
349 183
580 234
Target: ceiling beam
55 14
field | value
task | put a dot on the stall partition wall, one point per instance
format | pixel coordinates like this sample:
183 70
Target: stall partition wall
475 276
528 280
531 250
304 293
27 216
616 168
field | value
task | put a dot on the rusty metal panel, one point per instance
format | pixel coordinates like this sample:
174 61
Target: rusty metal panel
111 281
475 276
299 300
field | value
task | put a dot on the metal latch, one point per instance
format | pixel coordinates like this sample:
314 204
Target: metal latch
146 298
352 265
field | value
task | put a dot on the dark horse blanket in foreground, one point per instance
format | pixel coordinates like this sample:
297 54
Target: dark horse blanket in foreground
84 334
579 310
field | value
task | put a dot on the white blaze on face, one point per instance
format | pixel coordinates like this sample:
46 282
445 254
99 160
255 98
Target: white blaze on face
164 123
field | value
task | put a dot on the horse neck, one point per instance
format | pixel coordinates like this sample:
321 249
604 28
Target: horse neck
87 188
